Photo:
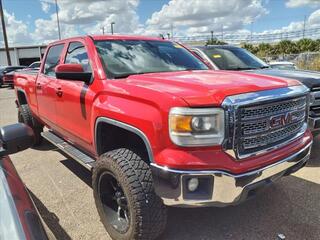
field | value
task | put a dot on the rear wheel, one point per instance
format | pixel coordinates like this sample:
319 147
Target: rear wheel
25 116
125 198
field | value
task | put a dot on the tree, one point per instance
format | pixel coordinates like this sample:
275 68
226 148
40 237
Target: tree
215 41
307 45
250 47
285 47
264 50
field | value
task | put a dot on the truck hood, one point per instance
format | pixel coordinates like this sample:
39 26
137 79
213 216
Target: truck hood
309 78
207 87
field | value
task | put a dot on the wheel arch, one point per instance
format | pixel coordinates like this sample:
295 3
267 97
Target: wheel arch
123 127
22 97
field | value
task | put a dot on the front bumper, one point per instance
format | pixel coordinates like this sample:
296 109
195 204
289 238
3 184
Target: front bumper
220 188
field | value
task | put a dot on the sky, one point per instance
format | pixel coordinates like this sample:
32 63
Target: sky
34 21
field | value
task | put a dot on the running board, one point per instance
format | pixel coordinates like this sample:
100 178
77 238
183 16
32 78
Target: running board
70 150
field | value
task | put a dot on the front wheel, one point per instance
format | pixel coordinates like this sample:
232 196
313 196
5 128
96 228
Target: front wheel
125 198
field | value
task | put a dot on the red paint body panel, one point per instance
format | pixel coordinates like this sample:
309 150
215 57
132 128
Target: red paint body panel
144 101
22 200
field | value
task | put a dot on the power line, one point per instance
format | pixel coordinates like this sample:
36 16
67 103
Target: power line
255 37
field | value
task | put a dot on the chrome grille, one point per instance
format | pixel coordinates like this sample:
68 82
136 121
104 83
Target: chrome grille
260 141
263 111
259 127
315 106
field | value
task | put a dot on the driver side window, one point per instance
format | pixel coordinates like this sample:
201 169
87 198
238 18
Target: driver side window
77 54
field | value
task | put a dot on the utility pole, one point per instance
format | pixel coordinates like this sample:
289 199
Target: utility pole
102 28
304 26
171 26
5 34
58 22
112 27
251 32
222 32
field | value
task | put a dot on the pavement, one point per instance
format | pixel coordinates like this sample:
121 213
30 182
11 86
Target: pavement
62 193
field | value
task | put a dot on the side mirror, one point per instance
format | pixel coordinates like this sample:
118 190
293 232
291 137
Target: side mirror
14 138
73 72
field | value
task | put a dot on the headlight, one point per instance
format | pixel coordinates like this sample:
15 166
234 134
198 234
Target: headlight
196 126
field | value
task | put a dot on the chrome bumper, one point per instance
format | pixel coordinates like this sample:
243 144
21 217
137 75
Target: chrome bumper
223 188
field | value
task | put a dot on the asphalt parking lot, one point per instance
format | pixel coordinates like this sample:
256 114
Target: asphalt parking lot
61 190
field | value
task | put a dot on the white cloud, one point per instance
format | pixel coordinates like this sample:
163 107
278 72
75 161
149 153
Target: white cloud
17 31
300 3
314 19
45 6
186 18
198 16
46 30
91 16
76 18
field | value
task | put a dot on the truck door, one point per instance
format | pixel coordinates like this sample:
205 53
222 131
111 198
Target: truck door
73 104
46 86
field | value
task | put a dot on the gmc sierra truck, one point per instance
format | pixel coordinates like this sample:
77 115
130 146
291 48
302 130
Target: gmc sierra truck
158 128
228 57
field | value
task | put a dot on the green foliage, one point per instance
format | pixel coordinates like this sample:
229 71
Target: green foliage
283 47
215 41
250 47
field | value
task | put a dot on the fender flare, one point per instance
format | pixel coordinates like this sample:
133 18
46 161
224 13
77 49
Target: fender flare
21 91
127 127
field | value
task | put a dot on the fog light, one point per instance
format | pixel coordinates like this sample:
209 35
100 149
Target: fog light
193 184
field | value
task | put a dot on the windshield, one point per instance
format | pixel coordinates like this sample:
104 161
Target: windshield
2 69
35 65
122 58
234 59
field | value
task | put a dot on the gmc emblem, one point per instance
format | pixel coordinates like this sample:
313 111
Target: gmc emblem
281 120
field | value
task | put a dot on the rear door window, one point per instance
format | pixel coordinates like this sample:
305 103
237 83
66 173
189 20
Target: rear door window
52 60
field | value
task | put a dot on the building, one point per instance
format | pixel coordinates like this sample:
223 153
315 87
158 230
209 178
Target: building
22 55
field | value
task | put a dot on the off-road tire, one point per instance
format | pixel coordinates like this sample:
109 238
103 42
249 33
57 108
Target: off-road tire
25 116
148 215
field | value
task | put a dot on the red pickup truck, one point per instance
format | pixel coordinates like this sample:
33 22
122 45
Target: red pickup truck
157 128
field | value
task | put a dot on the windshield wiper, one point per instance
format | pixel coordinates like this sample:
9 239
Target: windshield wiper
125 75
241 68
263 67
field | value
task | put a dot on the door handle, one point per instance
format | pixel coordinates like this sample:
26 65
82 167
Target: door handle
39 86
59 92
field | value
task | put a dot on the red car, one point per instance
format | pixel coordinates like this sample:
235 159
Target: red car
8 69
8 79
158 128
19 217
